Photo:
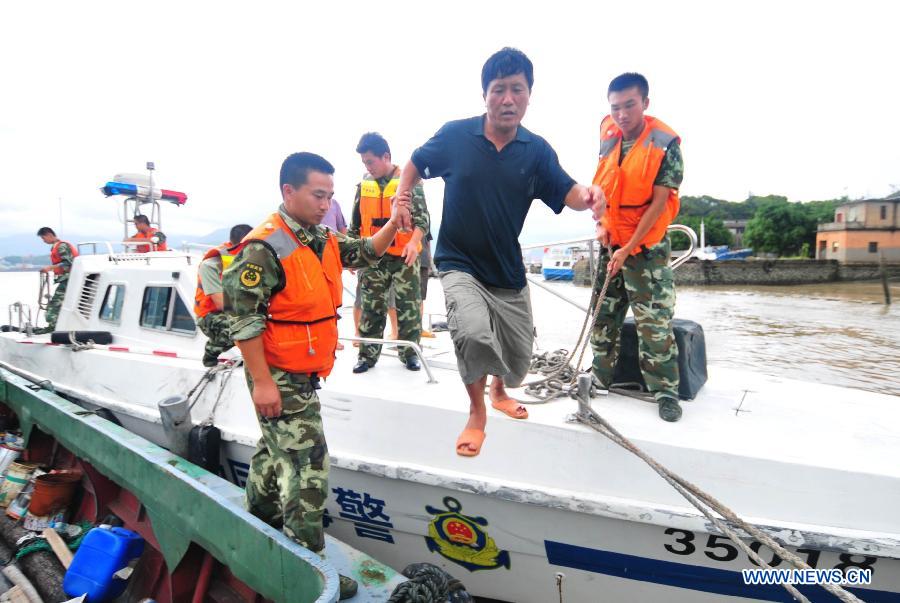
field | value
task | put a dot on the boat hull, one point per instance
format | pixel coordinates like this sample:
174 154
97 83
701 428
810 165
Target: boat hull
516 552
557 274
502 540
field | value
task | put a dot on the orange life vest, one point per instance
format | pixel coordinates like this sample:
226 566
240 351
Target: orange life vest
375 211
629 187
147 248
203 303
301 327
55 258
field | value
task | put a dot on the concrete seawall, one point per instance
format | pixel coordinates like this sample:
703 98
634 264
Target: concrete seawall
767 272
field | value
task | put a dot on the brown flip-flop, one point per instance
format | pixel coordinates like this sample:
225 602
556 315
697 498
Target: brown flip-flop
474 437
510 408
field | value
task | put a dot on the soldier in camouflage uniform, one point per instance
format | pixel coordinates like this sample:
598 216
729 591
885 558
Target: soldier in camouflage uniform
643 201
209 302
62 255
400 265
287 484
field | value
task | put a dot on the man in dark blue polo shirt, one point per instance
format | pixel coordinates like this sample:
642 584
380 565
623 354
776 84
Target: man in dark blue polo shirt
493 168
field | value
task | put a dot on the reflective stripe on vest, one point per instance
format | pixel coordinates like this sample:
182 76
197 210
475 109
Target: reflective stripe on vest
203 303
55 258
301 330
375 211
629 187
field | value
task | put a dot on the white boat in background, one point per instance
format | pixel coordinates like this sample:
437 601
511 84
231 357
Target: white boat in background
558 263
722 252
550 510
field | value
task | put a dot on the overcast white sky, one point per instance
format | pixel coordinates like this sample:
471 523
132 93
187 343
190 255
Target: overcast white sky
794 98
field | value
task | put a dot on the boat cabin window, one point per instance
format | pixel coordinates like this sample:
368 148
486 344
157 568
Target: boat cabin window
111 310
164 309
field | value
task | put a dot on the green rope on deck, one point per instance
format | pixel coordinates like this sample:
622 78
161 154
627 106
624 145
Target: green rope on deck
41 544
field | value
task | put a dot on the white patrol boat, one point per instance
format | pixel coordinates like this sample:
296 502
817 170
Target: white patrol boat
558 263
551 510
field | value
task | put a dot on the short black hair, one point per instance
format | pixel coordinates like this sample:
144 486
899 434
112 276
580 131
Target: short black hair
238 232
374 143
45 230
623 82
504 63
142 219
296 168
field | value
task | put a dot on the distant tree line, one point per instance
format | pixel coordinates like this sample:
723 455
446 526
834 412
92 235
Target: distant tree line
775 225
35 260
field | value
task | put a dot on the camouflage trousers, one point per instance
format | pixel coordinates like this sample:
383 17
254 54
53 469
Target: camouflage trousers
215 326
646 284
374 284
52 313
288 481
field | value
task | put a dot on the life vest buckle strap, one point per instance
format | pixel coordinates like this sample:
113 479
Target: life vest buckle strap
302 322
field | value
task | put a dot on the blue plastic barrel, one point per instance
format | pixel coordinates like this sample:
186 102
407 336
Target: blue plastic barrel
102 553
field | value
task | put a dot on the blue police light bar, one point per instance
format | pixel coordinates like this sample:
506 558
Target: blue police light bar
119 188
143 192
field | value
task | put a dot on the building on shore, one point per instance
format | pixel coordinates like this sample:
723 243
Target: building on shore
862 231
736 228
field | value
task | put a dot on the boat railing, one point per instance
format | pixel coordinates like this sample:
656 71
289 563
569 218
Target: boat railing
186 246
399 343
93 245
129 252
692 247
23 312
129 246
592 241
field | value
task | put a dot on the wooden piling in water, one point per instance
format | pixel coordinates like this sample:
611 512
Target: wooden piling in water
884 280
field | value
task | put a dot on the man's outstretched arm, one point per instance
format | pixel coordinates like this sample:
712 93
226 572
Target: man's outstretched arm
582 197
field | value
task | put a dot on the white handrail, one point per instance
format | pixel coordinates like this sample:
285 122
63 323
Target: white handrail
186 246
687 230
94 244
109 245
692 239
559 243
20 308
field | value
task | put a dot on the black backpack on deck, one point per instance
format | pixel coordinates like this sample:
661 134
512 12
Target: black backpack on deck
691 357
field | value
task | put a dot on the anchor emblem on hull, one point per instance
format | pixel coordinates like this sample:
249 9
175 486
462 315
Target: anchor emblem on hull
462 539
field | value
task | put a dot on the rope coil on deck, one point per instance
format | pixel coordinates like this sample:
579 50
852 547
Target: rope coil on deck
429 583
560 376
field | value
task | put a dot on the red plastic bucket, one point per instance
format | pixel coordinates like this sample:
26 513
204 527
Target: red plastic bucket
53 492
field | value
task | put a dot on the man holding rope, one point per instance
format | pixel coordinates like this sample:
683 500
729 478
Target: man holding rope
493 168
640 171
